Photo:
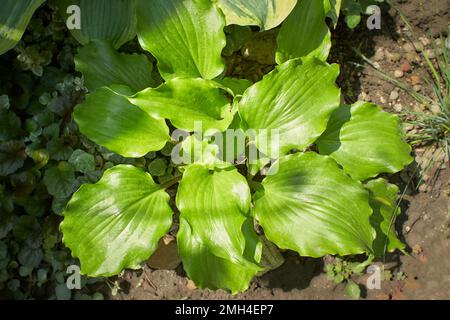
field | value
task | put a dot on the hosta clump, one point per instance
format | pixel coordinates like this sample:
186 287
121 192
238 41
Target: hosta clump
317 197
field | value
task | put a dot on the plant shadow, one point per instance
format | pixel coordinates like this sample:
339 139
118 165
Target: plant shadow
296 273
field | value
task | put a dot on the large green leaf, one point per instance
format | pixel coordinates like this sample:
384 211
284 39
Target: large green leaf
110 120
216 240
297 99
14 18
266 14
365 141
185 36
101 65
111 20
311 206
117 222
306 24
383 199
186 101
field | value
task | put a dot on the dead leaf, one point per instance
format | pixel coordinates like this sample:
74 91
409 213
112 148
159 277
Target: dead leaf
166 256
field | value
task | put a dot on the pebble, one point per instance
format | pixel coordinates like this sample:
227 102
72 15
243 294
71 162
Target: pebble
393 95
191 285
382 100
418 46
379 54
430 53
408 47
406 67
425 41
435 109
411 57
417 87
415 79
376 65
398 107
398 73
392 56
364 96
408 128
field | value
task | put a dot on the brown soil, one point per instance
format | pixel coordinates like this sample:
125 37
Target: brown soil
424 224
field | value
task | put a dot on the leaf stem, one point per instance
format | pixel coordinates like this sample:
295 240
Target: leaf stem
171 183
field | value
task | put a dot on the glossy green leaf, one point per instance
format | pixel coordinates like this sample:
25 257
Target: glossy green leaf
266 14
365 141
297 99
110 20
110 120
237 86
117 222
185 36
383 199
216 240
308 204
14 18
306 24
335 11
101 65
187 101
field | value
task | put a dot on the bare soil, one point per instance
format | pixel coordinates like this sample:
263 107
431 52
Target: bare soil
424 224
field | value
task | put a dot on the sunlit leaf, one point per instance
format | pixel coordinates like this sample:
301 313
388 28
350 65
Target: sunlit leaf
185 36
117 222
308 204
365 141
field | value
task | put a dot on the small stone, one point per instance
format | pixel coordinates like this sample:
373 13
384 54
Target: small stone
417 249
408 47
435 109
415 79
382 100
191 285
398 107
379 54
418 46
406 67
392 56
438 42
418 108
376 65
407 228
411 57
393 95
398 73
425 41
430 53
417 87
364 96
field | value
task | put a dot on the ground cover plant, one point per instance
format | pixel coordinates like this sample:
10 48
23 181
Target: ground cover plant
315 185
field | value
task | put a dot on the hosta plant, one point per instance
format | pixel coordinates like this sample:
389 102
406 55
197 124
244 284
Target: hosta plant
314 187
